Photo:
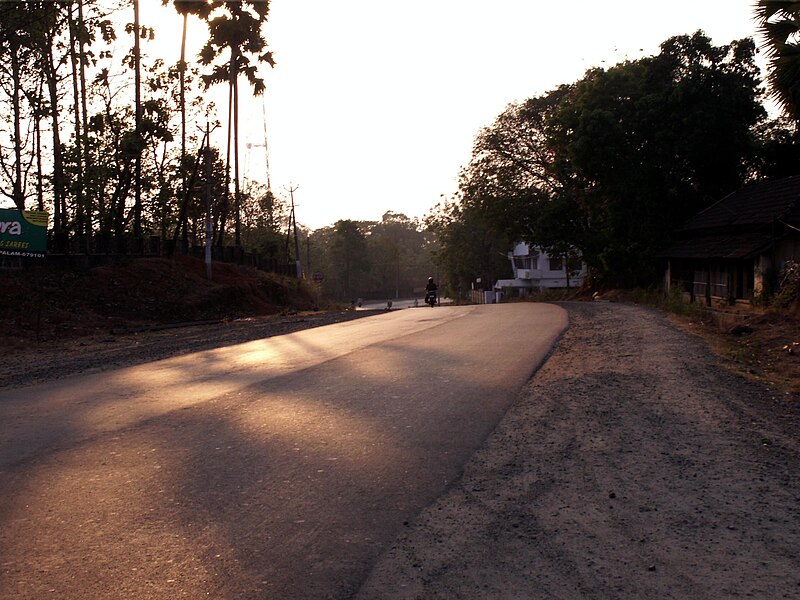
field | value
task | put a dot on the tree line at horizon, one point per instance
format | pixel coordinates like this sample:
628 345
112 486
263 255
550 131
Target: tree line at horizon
611 165
607 166
385 260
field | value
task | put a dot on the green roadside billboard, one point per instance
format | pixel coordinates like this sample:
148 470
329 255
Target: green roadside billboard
23 232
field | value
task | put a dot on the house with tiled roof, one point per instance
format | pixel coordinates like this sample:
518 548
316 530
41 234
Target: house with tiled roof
730 252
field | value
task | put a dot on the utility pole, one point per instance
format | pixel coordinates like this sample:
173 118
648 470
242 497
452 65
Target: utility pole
208 157
293 219
308 253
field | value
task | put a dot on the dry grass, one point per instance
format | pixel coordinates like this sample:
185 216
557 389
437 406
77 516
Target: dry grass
40 304
765 347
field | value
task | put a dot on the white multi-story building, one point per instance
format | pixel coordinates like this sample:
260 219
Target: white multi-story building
535 270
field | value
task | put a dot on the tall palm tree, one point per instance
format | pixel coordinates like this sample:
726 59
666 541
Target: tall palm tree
82 41
779 22
201 10
13 46
50 27
137 59
77 58
237 30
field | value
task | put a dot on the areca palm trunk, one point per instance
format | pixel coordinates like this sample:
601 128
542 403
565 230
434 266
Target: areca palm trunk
182 71
38 132
237 191
79 205
223 217
137 209
59 208
19 200
85 144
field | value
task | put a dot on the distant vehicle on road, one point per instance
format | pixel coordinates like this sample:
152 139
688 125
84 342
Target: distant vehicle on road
430 297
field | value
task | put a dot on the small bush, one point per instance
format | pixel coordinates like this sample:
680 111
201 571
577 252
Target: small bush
788 290
676 303
745 354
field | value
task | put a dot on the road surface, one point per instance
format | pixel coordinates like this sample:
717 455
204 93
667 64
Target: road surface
279 468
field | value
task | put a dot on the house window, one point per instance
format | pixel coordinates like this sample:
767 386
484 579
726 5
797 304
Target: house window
700 283
711 282
556 263
525 262
719 282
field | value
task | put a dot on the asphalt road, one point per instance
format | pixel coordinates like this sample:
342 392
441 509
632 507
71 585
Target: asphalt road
279 468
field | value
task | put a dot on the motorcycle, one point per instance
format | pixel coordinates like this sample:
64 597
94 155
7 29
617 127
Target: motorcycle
430 297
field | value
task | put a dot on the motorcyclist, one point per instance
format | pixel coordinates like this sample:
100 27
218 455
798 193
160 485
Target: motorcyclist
430 289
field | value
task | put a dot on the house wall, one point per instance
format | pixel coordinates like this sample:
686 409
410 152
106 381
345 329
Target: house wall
735 281
715 281
536 270
762 265
787 250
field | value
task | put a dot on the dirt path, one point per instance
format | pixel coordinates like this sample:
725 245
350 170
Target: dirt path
632 466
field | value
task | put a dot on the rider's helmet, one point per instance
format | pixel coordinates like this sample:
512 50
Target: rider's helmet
430 278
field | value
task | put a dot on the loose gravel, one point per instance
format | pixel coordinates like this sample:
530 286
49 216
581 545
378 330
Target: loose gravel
633 466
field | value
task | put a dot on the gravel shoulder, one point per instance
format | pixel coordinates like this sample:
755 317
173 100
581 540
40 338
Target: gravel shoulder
633 465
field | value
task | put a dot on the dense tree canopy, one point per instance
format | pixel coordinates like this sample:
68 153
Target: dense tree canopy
110 166
610 164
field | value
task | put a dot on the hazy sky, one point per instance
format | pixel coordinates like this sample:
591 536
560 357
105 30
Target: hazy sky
373 106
